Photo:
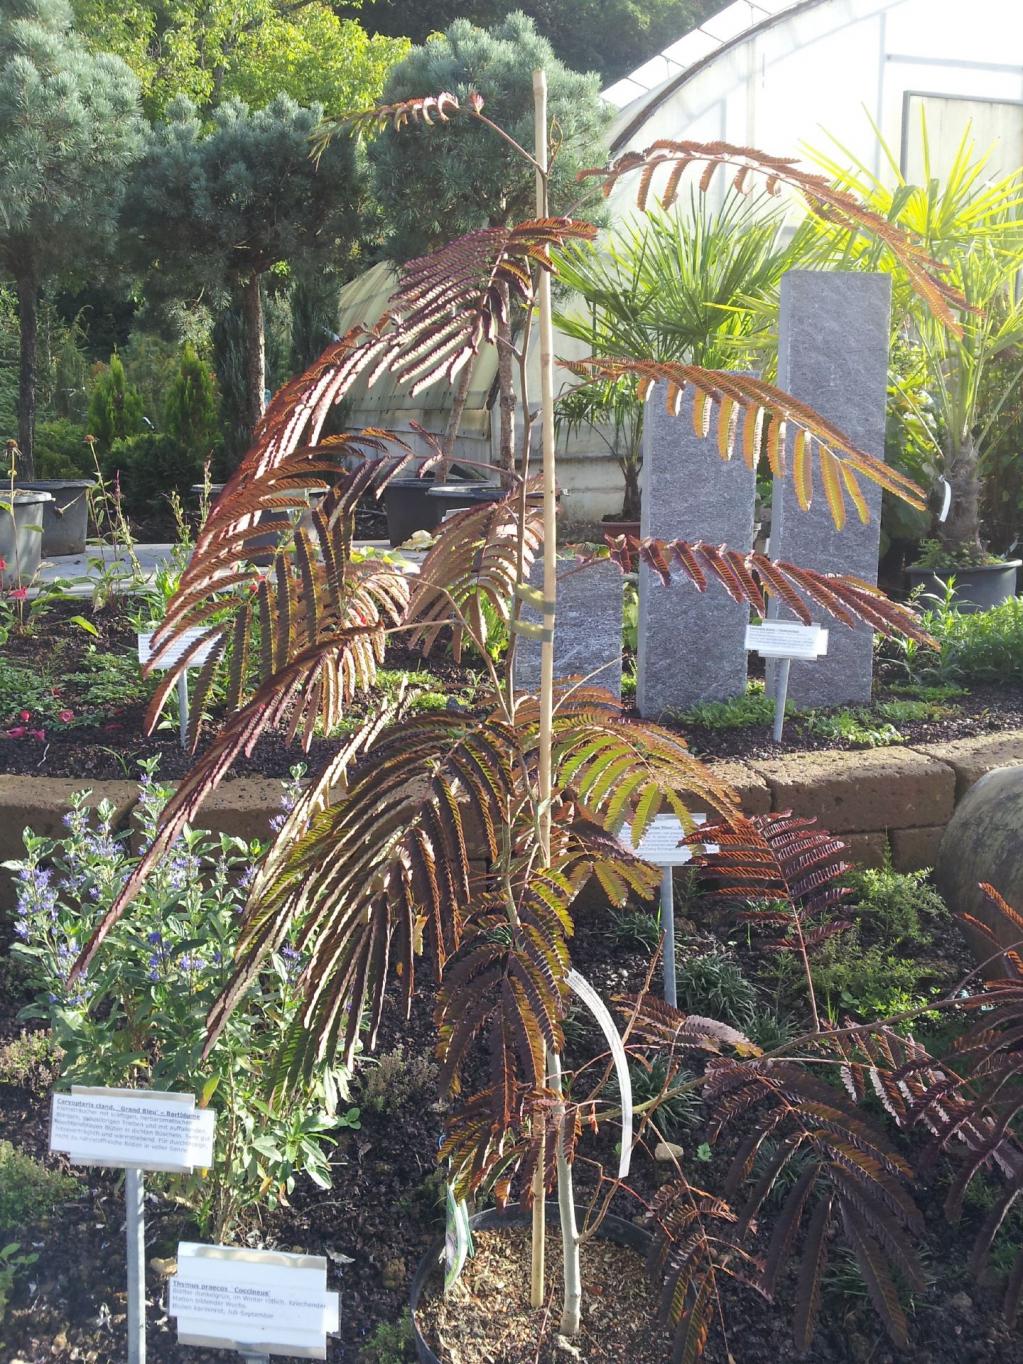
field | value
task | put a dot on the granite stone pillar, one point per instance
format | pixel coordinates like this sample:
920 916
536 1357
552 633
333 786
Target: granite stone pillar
692 645
833 338
587 630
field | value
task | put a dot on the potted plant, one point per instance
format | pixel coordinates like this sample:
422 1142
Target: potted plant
971 225
612 411
377 861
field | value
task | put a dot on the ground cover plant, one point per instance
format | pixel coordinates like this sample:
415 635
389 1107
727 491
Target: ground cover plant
372 864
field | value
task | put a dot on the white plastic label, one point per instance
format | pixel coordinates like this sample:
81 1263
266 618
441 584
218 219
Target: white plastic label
132 1128
787 639
182 644
660 844
276 1302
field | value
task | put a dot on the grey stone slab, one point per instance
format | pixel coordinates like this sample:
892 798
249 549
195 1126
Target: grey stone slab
588 627
691 644
833 338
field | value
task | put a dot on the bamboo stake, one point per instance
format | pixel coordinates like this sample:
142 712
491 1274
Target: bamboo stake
546 334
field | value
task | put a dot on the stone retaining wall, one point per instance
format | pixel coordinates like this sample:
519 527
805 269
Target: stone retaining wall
895 800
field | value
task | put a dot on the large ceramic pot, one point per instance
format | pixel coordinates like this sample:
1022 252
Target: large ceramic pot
428 1272
65 516
21 535
976 589
983 842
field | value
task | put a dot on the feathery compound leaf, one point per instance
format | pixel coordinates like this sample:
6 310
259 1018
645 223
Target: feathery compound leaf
827 200
758 401
475 560
658 1026
750 577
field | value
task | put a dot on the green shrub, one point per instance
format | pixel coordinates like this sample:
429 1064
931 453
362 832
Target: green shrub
61 450
391 1342
854 727
150 466
899 907
395 1081
713 985
29 1061
877 981
982 646
115 406
12 1261
674 1116
29 1192
192 413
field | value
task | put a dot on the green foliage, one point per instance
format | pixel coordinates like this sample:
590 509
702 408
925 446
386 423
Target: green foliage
61 450
898 907
676 1114
632 928
945 559
21 688
858 727
440 182
875 981
69 129
978 646
138 1018
611 37
752 708
713 985
390 1342
115 406
29 1061
13 1261
395 1081
149 468
246 49
191 413
29 1192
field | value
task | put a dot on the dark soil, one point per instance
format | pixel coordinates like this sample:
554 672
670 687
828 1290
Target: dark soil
112 743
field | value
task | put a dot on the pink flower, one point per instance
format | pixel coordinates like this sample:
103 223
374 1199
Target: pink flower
18 594
3 565
16 732
66 716
39 734
24 716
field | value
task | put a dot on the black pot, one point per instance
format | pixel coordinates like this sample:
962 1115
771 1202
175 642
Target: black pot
65 516
409 508
976 589
457 496
614 1229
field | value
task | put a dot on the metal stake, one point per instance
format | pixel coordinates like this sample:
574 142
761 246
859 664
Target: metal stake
183 708
668 931
135 1224
781 691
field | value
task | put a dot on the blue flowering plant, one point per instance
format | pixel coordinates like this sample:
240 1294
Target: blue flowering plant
138 1018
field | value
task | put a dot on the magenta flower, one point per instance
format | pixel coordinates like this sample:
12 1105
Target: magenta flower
66 716
18 594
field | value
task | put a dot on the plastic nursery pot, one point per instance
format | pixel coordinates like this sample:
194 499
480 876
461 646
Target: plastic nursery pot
66 516
21 535
458 496
976 589
610 527
428 1271
410 508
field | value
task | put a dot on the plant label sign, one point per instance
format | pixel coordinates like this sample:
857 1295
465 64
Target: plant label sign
256 1301
660 844
177 650
133 1129
787 639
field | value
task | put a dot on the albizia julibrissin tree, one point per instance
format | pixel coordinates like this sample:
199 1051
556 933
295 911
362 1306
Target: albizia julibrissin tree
374 861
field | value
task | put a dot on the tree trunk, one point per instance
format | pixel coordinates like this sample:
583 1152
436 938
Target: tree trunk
255 353
962 529
461 397
506 388
631 503
28 322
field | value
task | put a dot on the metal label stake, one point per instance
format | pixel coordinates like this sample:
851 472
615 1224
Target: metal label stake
135 1227
785 641
662 846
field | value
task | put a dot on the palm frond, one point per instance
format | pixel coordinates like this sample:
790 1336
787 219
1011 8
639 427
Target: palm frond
827 200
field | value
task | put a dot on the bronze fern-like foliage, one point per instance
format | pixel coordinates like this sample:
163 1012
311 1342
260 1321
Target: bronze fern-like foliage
747 165
478 561
786 861
754 578
847 1177
746 413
